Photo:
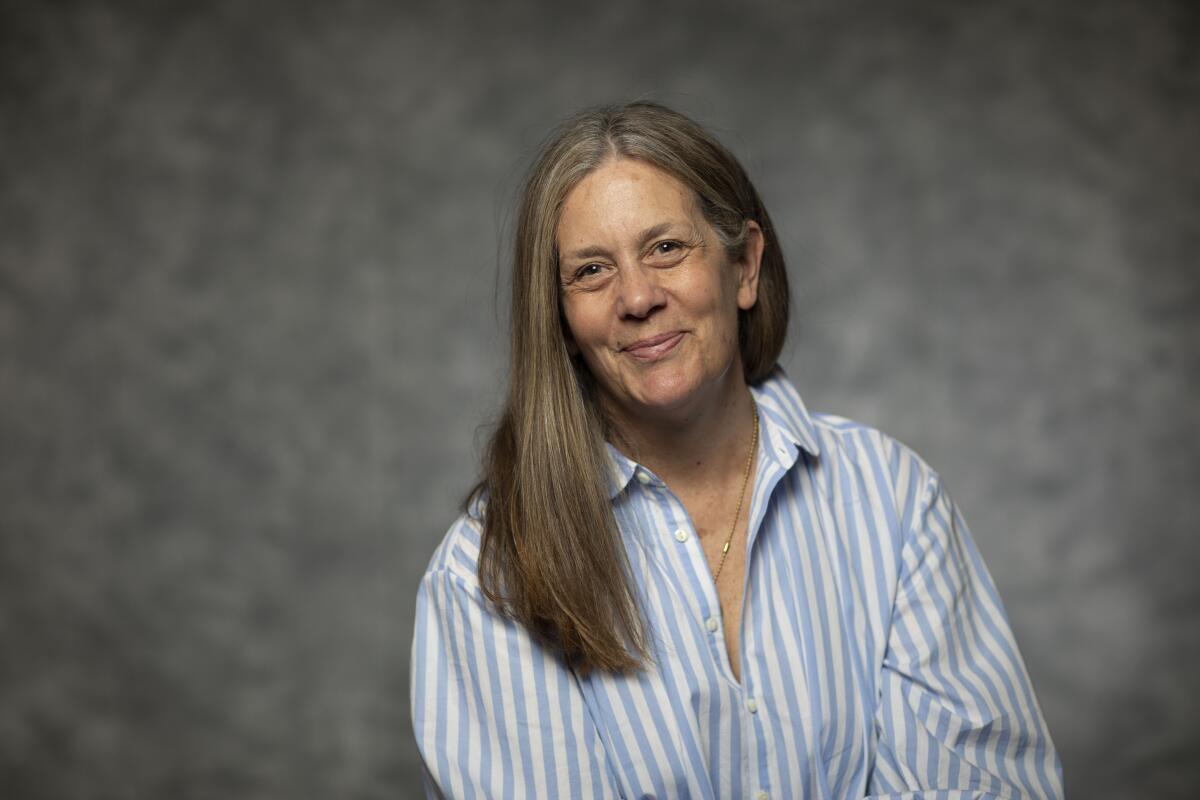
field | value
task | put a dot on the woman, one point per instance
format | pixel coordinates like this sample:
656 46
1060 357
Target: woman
673 581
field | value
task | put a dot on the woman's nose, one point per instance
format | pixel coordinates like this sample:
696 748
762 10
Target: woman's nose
639 293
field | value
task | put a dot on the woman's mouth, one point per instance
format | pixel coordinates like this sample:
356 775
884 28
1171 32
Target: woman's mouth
654 347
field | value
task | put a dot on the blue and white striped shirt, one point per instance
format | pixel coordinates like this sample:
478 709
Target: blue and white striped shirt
876 659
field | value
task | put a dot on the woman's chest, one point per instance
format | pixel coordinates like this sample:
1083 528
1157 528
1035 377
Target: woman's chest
794 720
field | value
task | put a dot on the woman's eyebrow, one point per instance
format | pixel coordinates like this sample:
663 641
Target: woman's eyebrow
588 252
643 238
654 232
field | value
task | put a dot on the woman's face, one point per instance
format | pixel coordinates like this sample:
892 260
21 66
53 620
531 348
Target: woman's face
650 298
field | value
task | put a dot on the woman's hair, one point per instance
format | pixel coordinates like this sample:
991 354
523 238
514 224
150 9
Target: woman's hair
551 555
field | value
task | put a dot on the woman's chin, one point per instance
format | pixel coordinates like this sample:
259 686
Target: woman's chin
663 395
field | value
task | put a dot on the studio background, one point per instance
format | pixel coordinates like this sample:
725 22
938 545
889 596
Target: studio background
251 333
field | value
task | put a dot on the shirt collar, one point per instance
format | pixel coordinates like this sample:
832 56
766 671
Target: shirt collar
621 470
780 403
782 416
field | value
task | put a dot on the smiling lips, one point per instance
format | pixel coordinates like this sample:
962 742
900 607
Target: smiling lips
655 347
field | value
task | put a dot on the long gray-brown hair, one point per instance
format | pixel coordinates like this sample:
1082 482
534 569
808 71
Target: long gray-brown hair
551 556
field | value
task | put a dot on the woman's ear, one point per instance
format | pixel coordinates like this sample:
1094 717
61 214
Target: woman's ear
748 266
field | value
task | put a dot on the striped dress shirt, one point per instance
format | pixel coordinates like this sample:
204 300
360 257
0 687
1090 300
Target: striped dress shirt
876 659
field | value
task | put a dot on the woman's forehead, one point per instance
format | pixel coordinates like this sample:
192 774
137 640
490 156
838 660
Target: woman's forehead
623 198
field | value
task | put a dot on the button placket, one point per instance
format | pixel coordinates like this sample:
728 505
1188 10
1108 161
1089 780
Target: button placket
711 623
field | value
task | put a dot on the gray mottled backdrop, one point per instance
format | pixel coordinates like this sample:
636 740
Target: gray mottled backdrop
249 334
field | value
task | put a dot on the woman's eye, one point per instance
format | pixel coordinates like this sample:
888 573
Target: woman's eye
663 248
587 271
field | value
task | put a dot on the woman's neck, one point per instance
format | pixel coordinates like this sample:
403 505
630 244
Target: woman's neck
696 446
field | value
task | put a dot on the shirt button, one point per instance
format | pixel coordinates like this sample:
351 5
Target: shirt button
643 476
681 535
761 796
712 624
752 706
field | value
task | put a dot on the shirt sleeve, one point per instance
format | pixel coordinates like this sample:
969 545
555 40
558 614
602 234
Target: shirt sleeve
956 717
494 714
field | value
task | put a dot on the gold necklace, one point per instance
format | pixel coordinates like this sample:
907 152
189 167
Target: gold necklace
741 495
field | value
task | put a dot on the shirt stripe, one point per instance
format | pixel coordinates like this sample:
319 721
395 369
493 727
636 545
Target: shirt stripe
877 660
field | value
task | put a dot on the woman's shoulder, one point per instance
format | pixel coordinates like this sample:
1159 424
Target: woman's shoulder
856 439
840 440
457 555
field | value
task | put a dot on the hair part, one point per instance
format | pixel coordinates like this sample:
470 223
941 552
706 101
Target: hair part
551 555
